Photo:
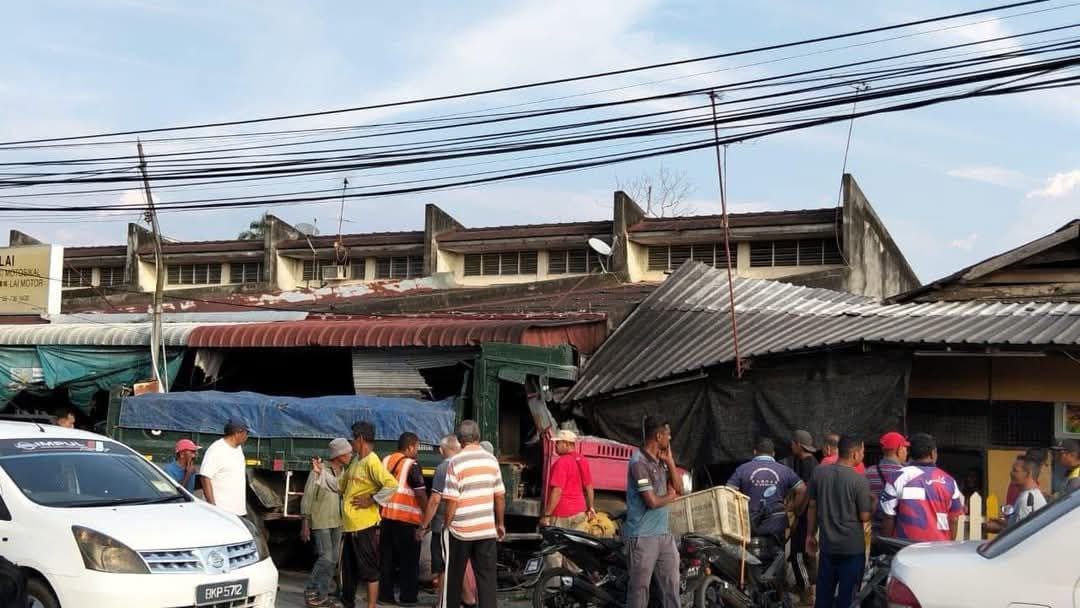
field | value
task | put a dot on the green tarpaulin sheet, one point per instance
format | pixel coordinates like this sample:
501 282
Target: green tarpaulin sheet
82 370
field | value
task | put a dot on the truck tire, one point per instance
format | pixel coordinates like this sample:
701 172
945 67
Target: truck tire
39 595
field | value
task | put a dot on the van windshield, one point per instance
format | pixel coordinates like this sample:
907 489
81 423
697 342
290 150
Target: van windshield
75 473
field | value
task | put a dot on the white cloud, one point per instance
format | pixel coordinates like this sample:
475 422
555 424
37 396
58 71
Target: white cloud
1058 186
133 203
996 176
966 244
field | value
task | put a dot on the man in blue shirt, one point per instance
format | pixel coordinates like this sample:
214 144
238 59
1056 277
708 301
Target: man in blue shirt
183 469
755 477
652 483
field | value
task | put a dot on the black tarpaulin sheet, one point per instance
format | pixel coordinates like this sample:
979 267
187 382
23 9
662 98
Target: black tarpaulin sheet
715 419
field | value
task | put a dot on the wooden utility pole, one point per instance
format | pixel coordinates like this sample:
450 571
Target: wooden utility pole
720 165
156 346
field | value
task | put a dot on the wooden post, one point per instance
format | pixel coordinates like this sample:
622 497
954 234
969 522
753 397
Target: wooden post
975 517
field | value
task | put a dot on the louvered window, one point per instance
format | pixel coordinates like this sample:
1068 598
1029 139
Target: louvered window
313 269
802 252
358 270
399 267
502 263
665 258
246 272
77 277
111 275
193 274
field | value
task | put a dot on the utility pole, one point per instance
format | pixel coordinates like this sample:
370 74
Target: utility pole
156 346
727 238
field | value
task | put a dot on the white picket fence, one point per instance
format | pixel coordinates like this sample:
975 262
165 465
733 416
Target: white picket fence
970 526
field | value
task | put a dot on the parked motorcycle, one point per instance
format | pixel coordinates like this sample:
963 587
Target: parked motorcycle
874 593
600 576
743 578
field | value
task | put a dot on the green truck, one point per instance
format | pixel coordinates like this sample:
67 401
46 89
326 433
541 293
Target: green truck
509 389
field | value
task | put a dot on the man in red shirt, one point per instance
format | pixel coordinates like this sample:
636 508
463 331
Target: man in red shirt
832 452
570 487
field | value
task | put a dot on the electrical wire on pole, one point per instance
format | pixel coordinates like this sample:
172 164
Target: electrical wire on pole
727 238
156 346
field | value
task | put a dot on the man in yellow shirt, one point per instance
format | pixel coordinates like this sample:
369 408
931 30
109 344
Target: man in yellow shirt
364 486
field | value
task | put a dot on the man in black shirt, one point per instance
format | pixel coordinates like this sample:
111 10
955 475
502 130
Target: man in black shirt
840 506
803 566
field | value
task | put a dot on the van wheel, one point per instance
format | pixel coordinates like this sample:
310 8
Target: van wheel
39 595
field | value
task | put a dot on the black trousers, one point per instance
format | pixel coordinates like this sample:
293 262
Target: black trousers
399 561
484 555
359 562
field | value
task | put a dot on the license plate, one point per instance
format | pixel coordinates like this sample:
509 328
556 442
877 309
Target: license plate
533 565
220 592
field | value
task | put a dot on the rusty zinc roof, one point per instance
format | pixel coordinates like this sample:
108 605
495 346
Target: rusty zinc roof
583 331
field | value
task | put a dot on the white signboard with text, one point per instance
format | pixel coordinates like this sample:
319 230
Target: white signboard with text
31 279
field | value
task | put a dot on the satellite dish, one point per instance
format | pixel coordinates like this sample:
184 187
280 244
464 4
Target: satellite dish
600 247
306 229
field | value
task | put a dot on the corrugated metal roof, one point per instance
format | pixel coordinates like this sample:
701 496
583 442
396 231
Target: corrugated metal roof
405 331
93 334
684 325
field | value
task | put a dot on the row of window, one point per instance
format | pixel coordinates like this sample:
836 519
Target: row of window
210 274
560 261
108 276
763 254
664 258
394 267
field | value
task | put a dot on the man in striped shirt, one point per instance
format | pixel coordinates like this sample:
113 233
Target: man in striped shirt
894 448
924 503
475 502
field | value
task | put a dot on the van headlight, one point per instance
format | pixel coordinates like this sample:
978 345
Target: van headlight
256 535
106 554
687 482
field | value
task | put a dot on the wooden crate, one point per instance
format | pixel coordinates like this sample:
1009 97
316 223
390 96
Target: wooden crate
720 511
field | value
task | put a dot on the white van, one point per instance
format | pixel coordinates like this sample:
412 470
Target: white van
93 524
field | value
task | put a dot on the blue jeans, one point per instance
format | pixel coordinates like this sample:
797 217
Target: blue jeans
328 547
839 577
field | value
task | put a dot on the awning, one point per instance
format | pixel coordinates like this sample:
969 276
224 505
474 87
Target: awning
93 334
583 331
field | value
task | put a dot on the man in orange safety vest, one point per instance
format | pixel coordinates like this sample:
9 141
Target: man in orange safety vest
401 514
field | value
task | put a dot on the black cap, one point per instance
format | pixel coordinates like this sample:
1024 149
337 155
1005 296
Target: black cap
235 425
1066 445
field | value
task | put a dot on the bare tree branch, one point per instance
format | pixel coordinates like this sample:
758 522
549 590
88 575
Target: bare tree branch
664 193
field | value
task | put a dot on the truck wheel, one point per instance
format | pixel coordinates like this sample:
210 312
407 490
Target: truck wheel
39 595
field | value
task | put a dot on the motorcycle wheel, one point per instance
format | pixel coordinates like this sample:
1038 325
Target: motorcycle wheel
552 590
708 594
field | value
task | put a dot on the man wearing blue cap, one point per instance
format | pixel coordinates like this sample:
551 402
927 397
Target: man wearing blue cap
223 471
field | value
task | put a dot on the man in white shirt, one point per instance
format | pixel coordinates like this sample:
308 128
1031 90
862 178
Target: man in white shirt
223 471
1025 474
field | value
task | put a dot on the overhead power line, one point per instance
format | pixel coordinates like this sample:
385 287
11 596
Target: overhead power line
543 83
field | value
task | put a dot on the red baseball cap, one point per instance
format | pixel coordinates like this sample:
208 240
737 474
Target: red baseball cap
186 445
893 441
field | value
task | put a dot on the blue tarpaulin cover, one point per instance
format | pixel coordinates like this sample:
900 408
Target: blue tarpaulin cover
273 416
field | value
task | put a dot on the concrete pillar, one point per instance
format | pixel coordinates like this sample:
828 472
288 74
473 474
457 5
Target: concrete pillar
275 230
626 214
19 239
137 236
436 221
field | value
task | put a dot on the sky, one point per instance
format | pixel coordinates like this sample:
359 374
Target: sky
954 183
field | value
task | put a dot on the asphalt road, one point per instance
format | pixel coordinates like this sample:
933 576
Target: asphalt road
291 593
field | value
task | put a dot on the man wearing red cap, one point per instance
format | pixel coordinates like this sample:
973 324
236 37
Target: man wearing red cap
183 469
894 448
